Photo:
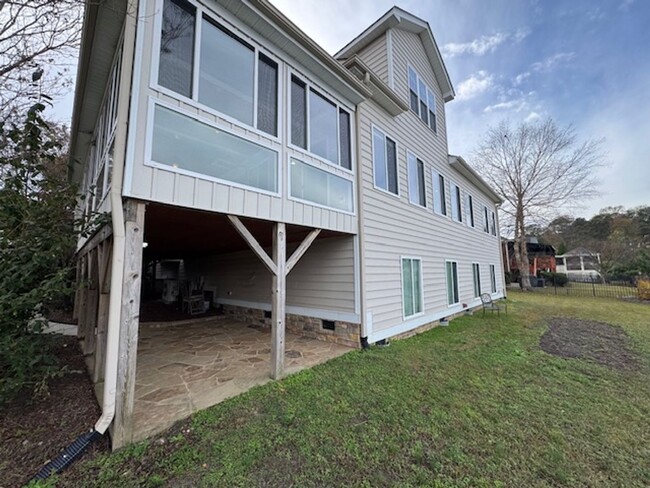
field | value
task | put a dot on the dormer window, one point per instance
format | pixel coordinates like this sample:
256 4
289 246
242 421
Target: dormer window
422 100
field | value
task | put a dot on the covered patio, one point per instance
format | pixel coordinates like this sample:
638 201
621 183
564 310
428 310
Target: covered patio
187 366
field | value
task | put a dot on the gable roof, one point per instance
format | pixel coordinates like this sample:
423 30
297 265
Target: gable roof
397 17
460 165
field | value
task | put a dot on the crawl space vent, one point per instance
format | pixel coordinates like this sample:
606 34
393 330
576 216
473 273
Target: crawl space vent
328 325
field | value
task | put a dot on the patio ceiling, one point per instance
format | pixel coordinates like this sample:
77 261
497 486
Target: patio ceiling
173 232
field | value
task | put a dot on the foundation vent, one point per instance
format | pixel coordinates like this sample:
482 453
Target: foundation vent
328 325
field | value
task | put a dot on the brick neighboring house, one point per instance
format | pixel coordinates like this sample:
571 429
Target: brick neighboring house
541 257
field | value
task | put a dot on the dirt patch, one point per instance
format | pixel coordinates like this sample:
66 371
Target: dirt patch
33 432
585 339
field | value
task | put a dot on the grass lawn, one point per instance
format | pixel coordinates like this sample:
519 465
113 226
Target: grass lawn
475 404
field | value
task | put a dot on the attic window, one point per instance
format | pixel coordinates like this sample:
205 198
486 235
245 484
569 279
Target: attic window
422 100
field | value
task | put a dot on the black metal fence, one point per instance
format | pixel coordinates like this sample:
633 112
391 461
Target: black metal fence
586 287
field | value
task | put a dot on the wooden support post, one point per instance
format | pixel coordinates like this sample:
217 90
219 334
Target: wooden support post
77 293
92 303
83 295
105 258
122 433
252 242
279 300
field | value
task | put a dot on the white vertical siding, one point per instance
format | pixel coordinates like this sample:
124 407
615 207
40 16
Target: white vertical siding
393 227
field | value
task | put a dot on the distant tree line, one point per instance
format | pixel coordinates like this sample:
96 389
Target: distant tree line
621 237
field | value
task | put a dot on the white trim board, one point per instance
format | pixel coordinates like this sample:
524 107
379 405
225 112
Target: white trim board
307 312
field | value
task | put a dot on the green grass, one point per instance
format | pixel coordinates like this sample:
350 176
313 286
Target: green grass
591 289
474 404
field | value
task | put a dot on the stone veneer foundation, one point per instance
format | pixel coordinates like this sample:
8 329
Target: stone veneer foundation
344 333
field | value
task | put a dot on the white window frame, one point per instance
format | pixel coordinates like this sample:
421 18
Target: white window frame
416 201
148 154
493 279
476 279
194 99
322 168
435 176
401 274
311 86
374 127
456 203
447 261
431 96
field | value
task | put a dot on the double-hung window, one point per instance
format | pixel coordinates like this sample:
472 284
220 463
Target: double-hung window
456 213
476 277
486 220
493 278
417 192
384 161
421 99
319 125
230 75
493 223
469 210
439 197
452 282
411 286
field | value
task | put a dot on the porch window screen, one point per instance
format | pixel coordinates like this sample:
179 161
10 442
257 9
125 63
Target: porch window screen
184 143
267 95
321 187
177 47
411 286
452 282
298 113
323 131
227 73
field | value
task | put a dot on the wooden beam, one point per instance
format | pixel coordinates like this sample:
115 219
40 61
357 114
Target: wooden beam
105 255
129 323
279 300
252 242
302 249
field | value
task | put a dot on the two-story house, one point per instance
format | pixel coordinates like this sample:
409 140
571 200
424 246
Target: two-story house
310 195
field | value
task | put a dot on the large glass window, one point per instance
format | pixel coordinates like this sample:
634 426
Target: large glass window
476 276
421 99
417 193
321 187
452 282
384 159
323 132
439 197
177 47
227 67
411 286
185 143
493 278
320 126
455 203
227 72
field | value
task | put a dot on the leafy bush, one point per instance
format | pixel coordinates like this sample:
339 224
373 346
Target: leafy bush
554 279
37 241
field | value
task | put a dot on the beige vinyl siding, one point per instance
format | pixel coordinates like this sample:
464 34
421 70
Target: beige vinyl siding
145 182
375 56
393 227
323 279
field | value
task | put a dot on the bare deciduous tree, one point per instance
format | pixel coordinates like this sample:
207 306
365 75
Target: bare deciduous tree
538 169
39 40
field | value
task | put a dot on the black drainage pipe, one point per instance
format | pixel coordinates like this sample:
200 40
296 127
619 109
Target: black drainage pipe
68 456
364 343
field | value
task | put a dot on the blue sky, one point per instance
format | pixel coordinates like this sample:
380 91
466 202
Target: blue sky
582 62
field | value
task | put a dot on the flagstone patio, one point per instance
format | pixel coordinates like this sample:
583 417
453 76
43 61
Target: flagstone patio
186 367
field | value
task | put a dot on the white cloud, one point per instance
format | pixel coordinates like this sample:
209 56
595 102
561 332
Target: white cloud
520 78
552 62
625 5
533 117
473 86
484 44
516 105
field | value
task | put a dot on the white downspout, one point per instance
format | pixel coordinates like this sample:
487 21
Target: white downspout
117 219
361 240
